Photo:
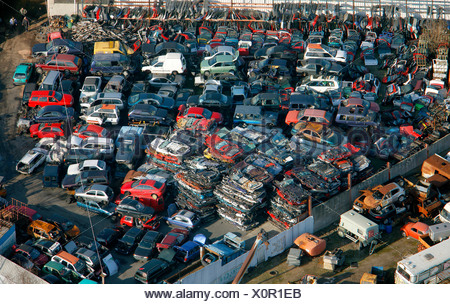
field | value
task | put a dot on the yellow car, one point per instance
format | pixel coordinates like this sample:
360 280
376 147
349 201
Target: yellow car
112 47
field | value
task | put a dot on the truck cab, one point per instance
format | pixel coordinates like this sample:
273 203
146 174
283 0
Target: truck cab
226 249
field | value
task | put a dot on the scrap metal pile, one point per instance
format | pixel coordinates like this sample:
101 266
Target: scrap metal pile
246 120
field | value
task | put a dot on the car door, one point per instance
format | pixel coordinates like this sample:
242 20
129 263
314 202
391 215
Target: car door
91 195
158 67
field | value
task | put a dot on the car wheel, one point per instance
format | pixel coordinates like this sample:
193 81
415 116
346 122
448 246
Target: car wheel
126 74
39 70
404 234
232 72
341 233
174 73
401 198
207 74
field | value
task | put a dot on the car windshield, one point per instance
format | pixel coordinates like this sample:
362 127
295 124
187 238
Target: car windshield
20 76
377 195
34 254
212 61
154 61
58 95
89 88
146 245
135 183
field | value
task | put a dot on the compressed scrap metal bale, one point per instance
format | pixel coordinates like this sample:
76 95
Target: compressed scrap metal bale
195 191
288 204
294 257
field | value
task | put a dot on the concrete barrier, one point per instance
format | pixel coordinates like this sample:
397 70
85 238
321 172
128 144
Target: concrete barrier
216 273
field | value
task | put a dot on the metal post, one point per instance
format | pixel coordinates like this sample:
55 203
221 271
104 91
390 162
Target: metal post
406 11
349 181
353 14
310 205
389 170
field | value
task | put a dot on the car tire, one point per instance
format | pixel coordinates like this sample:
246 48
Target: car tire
39 70
232 72
404 234
401 198
341 233
174 73
207 74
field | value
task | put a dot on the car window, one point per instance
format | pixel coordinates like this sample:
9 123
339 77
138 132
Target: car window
70 64
52 63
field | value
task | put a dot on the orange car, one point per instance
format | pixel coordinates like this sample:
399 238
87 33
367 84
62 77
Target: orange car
310 244
414 230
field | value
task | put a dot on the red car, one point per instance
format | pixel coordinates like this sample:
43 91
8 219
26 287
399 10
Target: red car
85 131
151 224
198 112
47 98
174 237
414 230
31 253
60 62
42 130
222 149
147 191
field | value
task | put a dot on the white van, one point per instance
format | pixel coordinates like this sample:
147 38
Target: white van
171 63
321 51
102 114
358 229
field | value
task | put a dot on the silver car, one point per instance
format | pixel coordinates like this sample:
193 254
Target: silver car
95 192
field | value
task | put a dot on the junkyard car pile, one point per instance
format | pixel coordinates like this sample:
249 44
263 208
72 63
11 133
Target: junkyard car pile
276 117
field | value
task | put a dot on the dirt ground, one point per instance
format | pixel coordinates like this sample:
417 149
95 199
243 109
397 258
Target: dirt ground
392 249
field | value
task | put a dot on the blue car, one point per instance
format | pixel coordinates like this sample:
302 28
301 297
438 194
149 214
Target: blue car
55 113
57 46
190 250
23 73
98 207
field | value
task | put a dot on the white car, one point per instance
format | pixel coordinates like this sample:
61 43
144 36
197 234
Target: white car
95 192
171 63
31 160
369 57
91 87
170 148
221 50
322 84
212 85
321 51
102 114
87 165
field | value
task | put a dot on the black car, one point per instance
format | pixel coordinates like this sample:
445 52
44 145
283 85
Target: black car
55 113
86 178
383 215
27 89
108 237
57 46
129 241
148 114
134 208
152 271
147 246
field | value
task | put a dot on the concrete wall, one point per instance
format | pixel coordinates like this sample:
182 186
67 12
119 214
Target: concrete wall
329 212
216 273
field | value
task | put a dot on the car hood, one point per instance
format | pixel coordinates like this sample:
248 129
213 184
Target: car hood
69 181
40 47
370 202
143 252
124 157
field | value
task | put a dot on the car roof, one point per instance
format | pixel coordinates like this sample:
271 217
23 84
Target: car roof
68 257
42 93
99 187
91 79
57 108
224 58
92 162
248 109
64 57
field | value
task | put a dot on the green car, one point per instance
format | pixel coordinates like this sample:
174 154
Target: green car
218 65
23 73
61 272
